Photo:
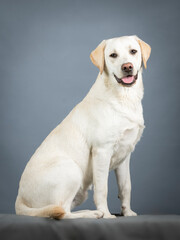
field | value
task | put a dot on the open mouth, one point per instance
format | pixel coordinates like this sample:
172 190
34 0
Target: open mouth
127 80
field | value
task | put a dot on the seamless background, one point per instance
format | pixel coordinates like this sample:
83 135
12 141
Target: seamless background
45 71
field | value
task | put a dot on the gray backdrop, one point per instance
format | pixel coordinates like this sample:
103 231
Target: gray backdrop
45 71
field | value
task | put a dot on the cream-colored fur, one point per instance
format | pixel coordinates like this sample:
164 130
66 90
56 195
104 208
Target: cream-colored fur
98 135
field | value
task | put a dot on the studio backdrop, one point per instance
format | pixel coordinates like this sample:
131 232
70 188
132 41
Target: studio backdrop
45 71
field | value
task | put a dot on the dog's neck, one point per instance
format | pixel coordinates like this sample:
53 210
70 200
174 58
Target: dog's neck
126 100
106 88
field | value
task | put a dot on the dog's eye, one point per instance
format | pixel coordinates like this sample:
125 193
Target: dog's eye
133 51
113 55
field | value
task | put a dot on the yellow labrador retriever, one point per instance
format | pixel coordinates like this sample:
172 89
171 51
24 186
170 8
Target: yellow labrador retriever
97 136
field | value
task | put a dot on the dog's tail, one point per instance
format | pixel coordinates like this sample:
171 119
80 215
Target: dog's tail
52 211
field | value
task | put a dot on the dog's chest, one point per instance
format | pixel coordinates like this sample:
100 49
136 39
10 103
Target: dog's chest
125 143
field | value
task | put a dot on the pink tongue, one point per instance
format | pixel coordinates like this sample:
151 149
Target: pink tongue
128 79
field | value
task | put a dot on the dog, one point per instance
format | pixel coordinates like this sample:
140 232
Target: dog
97 136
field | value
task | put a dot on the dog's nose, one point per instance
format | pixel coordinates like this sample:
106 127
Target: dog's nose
127 67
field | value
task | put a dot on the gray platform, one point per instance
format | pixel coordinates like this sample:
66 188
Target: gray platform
122 228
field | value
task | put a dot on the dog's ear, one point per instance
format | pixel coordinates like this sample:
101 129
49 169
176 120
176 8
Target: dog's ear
145 51
97 56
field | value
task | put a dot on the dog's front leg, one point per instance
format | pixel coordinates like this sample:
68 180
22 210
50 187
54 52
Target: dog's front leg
124 185
101 160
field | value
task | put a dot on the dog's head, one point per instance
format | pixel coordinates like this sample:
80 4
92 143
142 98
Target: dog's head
121 58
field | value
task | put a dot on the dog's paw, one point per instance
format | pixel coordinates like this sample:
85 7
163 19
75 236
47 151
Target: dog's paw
128 212
109 216
95 214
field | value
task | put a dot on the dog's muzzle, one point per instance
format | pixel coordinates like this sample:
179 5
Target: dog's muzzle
127 80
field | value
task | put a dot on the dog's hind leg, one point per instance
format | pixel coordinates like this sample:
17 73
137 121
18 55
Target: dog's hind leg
84 214
80 197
